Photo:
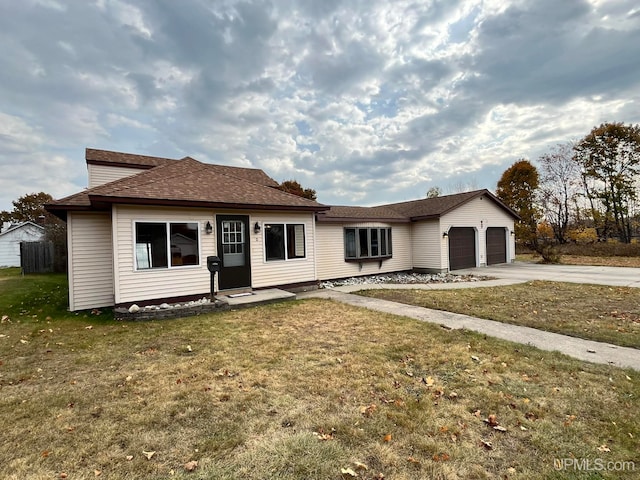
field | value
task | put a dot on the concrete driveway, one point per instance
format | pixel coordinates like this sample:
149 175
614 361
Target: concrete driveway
617 276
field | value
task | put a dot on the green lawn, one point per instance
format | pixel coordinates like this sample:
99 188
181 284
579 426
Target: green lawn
310 389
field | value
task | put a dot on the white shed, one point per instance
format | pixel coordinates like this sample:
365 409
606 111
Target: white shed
10 238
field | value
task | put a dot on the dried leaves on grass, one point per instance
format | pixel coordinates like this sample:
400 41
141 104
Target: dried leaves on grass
594 312
310 389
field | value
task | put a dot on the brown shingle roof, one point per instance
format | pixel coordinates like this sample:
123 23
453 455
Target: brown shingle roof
186 182
107 157
144 162
428 208
354 214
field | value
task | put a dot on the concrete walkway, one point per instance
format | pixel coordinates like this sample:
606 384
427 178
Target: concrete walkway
586 350
523 271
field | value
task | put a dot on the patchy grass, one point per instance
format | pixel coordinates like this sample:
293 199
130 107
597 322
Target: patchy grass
584 260
594 312
291 391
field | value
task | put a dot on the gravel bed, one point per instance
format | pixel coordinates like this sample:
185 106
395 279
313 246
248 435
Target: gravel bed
405 278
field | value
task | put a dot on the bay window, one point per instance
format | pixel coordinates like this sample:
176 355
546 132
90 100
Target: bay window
367 242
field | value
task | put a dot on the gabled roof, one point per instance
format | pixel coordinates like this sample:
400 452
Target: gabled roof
359 214
431 208
144 162
187 182
18 226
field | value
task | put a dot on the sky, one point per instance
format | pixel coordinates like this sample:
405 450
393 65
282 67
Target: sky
365 101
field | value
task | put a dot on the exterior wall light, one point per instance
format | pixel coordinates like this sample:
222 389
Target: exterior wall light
256 228
513 234
445 234
208 228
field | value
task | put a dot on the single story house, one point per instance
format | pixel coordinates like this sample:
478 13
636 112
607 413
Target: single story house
11 235
143 229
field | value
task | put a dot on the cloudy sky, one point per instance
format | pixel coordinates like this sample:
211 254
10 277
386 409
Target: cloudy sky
366 101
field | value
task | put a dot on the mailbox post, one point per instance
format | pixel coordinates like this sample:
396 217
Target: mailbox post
213 264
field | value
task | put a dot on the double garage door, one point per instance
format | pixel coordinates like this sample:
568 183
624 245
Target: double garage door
462 247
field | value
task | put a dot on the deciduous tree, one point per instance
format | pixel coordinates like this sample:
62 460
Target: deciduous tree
434 192
518 188
609 158
294 187
30 208
560 187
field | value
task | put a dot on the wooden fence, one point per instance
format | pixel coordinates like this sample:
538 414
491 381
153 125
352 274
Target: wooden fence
36 257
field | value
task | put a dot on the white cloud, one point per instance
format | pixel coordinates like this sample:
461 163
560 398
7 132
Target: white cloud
366 102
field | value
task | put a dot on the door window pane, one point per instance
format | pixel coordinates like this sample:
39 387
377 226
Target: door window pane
233 243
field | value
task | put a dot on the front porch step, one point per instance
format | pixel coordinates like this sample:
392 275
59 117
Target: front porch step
256 297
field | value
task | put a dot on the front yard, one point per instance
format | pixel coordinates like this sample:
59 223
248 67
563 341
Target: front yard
594 312
311 389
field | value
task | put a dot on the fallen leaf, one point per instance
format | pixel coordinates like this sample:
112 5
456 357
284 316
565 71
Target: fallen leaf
129 457
442 457
89 327
361 466
500 428
23 341
429 381
477 413
511 470
148 454
63 475
45 453
387 437
603 448
413 460
368 410
191 466
492 420
474 358
487 445
348 473
97 473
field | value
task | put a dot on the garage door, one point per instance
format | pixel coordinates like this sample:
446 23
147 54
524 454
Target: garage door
462 248
496 246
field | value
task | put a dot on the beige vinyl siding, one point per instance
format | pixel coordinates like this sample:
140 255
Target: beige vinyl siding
282 272
330 251
427 246
91 281
480 213
101 174
134 286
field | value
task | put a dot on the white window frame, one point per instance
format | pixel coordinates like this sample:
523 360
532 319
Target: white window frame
167 224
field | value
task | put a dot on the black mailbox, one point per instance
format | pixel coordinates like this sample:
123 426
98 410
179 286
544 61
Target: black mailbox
213 264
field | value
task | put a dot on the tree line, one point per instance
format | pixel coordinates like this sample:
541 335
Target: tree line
585 190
